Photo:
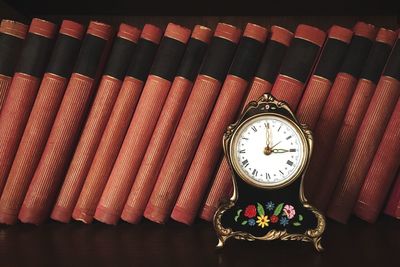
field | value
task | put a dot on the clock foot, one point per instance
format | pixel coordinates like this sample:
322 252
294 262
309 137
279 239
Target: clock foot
317 244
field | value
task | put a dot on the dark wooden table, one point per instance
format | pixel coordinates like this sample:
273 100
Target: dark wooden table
148 244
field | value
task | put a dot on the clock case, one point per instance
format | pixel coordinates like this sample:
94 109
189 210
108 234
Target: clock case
285 209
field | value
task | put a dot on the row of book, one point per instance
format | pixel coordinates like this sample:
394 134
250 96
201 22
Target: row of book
129 125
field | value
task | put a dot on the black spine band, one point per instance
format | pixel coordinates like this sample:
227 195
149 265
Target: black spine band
299 59
392 68
90 55
246 59
271 61
356 55
119 58
10 48
34 55
192 59
64 55
376 61
142 59
331 59
168 57
218 58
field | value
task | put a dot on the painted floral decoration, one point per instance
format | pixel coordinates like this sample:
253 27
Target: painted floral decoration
256 215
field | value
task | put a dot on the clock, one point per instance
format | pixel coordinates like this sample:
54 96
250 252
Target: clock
268 151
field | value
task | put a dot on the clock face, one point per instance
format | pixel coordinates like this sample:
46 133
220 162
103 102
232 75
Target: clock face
268 151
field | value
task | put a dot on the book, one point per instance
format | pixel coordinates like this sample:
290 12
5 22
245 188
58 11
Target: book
107 93
326 69
155 91
393 205
228 103
166 125
12 35
358 105
265 76
117 124
336 104
382 171
193 122
41 119
367 140
64 134
298 64
22 92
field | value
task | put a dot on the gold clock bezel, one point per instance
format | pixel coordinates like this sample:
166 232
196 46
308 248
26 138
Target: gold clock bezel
245 177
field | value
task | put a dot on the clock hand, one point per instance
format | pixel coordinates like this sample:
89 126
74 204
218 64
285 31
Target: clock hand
276 144
267 149
277 150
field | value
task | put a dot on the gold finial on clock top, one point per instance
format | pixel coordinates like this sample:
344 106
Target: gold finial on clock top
268 152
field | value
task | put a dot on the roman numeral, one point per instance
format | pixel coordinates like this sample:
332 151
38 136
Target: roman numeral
255 172
268 176
287 138
281 172
245 138
254 128
292 150
279 128
242 151
290 163
245 163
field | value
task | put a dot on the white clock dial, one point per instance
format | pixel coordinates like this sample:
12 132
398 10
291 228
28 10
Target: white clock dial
268 150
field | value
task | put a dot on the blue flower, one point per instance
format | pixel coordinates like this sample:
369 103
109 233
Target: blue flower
284 221
252 222
270 205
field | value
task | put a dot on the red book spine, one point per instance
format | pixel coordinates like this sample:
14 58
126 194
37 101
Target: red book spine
166 125
393 205
336 104
367 140
321 81
40 121
382 171
12 35
192 123
298 64
267 72
208 153
144 120
103 103
358 106
117 124
51 168
22 92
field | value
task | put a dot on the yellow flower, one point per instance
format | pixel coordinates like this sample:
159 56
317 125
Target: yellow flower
262 220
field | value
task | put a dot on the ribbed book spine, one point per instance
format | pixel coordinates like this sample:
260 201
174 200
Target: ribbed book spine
40 121
63 136
209 151
22 92
265 76
325 72
336 104
155 91
117 124
367 140
192 123
103 103
382 171
393 205
12 35
365 88
166 125
298 64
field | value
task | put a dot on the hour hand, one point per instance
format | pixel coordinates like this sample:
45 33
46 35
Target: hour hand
277 150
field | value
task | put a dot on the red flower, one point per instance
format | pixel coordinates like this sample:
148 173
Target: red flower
274 219
250 211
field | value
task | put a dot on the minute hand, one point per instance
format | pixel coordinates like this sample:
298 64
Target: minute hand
279 150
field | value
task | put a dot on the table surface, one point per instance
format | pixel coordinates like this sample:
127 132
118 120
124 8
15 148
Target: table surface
147 244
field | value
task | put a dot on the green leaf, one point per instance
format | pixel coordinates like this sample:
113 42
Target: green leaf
260 209
296 224
278 209
238 215
300 217
244 222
